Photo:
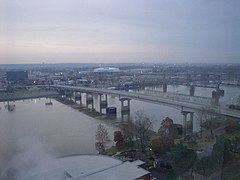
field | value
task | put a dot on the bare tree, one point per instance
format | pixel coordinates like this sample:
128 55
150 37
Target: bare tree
205 117
102 138
210 125
142 126
119 139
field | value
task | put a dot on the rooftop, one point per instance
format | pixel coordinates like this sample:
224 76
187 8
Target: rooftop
106 69
87 167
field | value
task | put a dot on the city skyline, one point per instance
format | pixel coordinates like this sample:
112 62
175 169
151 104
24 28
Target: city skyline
88 31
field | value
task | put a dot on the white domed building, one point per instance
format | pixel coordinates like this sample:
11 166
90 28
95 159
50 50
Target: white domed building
106 70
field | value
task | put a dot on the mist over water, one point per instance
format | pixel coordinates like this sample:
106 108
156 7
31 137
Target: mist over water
58 130
30 155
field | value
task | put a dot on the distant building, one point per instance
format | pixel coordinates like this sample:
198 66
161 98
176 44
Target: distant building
17 76
88 167
106 70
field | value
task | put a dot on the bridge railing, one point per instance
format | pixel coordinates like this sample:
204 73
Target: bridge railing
180 97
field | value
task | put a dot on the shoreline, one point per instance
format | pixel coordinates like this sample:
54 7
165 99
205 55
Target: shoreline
27 96
81 108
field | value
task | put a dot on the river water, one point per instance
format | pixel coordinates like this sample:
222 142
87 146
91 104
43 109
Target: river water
63 130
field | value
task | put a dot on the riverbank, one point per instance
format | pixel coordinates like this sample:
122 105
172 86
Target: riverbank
90 112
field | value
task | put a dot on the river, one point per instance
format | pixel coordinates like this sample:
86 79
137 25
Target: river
63 130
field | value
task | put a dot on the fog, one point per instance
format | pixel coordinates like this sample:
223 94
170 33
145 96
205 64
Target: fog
31 157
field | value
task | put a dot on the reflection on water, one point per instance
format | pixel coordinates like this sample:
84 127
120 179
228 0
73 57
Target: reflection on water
59 128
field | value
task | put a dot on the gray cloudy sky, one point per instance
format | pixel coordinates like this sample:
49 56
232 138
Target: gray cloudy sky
36 31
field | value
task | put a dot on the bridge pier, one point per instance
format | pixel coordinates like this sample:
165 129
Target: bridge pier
216 95
68 95
187 125
165 87
103 103
192 90
125 114
78 97
125 108
190 125
89 100
184 122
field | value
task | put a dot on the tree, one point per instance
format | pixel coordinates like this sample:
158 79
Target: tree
167 129
118 138
206 165
142 126
183 157
221 150
220 156
203 116
102 138
210 125
128 130
161 145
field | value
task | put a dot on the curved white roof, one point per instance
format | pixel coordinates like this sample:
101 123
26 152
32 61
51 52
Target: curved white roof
106 69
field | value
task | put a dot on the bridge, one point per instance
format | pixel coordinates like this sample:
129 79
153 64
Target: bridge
187 104
181 102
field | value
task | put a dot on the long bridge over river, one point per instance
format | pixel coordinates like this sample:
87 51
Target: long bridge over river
187 104
184 103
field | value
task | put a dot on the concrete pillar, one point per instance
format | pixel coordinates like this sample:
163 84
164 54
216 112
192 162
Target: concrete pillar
125 115
164 87
184 122
68 95
128 104
103 103
215 98
192 90
187 125
100 102
75 100
191 122
78 97
123 107
89 100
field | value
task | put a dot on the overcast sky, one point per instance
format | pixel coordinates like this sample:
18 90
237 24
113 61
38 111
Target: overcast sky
84 31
